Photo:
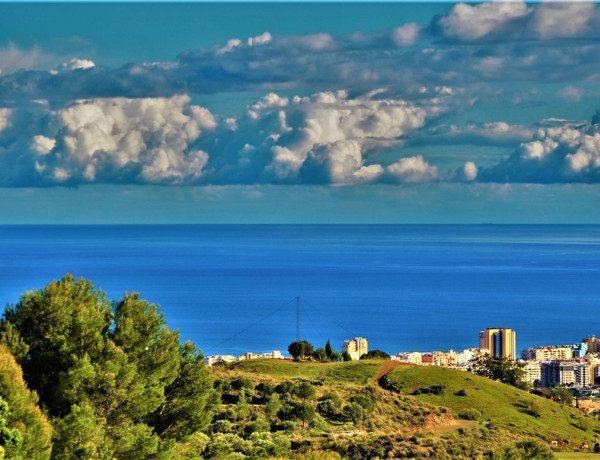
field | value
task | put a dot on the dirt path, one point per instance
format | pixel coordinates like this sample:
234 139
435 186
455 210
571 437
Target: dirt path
388 367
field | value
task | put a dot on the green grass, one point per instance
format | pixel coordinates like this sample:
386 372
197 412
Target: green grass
355 372
498 414
493 402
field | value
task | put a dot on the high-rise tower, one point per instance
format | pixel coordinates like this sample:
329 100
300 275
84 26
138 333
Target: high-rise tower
499 341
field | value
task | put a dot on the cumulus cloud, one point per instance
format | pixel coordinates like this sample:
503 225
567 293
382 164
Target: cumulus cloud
328 138
562 151
75 64
513 20
469 171
412 170
469 23
110 140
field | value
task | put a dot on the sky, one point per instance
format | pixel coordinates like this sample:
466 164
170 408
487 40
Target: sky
299 113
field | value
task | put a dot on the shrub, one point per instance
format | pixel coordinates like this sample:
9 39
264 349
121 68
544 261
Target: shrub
469 414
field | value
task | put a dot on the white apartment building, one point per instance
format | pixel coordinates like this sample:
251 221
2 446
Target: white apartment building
355 347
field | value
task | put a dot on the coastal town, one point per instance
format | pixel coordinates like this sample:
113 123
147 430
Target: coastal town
574 365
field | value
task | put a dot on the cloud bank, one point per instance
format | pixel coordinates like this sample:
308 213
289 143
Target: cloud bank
83 123
327 138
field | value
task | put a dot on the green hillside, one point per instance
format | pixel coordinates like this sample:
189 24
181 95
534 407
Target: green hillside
413 411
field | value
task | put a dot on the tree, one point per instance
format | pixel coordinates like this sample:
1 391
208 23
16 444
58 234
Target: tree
328 349
22 413
320 354
306 391
561 395
266 389
304 412
375 354
346 356
300 349
119 371
354 412
11 439
502 369
273 405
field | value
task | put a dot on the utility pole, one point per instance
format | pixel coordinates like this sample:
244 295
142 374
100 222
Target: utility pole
298 319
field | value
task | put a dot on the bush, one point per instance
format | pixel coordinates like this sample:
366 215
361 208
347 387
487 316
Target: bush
306 391
240 383
286 387
460 393
469 414
265 389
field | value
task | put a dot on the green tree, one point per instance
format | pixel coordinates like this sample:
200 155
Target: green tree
300 349
11 439
119 371
346 356
304 412
287 388
23 413
328 349
190 400
273 405
320 354
239 383
306 391
375 354
561 395
502 369
265 389
354 412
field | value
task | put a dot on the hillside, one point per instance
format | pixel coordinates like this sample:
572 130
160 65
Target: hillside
412 411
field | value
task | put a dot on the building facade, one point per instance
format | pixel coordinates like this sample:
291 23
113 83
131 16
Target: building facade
533 373
547 353
356 347
501 342
558 373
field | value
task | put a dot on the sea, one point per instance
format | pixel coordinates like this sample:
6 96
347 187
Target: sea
233 289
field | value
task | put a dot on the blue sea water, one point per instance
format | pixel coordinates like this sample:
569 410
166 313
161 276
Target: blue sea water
233 288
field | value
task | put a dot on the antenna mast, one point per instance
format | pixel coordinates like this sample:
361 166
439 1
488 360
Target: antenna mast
298 319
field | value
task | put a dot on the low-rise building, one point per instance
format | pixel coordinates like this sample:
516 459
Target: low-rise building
215 359
411 357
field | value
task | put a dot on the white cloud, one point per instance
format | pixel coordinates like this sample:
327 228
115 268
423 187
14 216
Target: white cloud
42 145
554 19
560 152
4 118
473 22
412 170
570 93
469 171
407 34
13 58
118 139
75 64
260 39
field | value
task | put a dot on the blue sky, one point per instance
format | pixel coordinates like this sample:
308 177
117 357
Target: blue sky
299 112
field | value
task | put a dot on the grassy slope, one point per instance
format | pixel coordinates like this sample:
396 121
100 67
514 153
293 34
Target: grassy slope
353 372
506 406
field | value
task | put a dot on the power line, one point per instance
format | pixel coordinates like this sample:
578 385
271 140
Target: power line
329 318
249 327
